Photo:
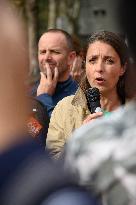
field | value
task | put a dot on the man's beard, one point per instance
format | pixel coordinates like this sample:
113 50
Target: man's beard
44 71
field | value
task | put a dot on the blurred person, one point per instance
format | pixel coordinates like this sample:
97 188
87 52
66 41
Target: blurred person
40 181
55 55
129 31
77 68
15 143
13 72
102 156
107 63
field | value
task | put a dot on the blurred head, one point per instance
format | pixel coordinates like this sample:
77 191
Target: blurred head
127 19
77 68
106 63
13 69
56 48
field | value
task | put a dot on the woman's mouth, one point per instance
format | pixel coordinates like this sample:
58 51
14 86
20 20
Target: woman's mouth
100 80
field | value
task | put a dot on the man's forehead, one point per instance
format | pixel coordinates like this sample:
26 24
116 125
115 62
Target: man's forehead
53 40
53 36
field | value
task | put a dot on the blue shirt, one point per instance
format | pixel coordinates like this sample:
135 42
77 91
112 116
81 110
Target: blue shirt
63 89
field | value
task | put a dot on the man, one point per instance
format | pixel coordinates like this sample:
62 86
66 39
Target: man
55 55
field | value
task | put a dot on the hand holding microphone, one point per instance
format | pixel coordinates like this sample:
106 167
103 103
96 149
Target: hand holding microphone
94 106
93 100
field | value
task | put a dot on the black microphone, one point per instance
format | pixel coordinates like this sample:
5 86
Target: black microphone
93 100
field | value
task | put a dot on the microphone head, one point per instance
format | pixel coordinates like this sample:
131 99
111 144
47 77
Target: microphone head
93 99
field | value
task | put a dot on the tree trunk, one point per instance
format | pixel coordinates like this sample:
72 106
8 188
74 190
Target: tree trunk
67 17
52 14
31 12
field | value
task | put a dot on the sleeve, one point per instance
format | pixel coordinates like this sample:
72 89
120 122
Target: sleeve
47 101
62 123
56 133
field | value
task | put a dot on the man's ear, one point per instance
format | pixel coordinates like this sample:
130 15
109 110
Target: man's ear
71 57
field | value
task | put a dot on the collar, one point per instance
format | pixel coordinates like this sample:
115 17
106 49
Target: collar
65 83
79 98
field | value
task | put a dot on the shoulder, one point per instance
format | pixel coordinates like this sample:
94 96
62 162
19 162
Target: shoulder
72 83
33 89
65 101
64 108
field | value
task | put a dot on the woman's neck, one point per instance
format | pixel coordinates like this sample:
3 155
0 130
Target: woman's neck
110 102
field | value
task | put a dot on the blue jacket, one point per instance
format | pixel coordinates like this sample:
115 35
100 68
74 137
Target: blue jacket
63 89
13 158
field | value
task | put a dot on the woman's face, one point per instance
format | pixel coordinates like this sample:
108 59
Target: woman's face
103 67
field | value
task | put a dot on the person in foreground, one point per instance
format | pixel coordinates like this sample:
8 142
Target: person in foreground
15 143
107 63
55 55
102 156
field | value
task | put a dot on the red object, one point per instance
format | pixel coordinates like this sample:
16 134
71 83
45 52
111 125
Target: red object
34 127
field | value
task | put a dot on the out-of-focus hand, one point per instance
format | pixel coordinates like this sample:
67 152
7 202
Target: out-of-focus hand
92 117
76 69
48 81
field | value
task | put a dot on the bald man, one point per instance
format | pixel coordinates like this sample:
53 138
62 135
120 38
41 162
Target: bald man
55 55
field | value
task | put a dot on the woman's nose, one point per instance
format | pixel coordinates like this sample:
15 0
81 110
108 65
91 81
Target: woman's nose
99 66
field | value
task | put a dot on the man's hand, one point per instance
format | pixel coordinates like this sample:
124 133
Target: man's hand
48 81
76 69
93 116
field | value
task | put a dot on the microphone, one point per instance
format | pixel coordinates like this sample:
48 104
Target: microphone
93 100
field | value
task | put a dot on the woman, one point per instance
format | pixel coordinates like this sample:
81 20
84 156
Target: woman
106 65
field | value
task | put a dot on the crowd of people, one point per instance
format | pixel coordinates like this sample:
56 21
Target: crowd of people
106 67
53 149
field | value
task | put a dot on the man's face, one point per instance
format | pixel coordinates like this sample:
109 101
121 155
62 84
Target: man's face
53 50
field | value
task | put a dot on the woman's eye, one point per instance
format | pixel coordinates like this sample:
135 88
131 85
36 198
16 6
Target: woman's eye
110 61
92 60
